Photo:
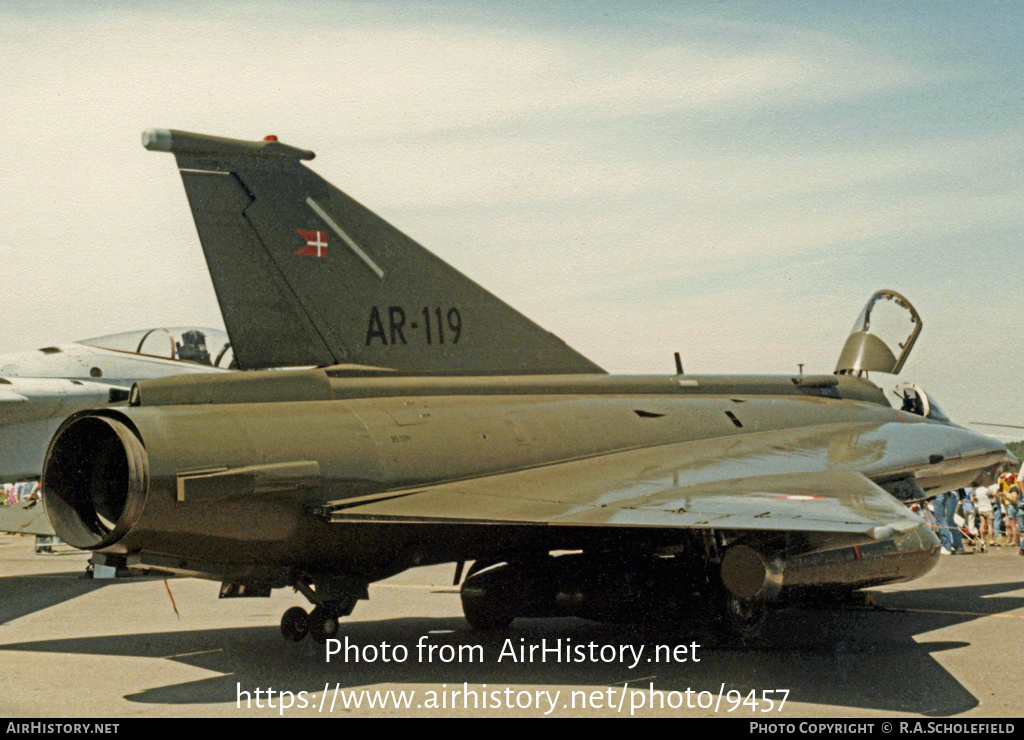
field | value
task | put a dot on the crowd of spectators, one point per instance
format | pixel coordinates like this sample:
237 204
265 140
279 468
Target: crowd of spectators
979 517
13 493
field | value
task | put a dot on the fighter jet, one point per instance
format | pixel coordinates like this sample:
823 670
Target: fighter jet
41 388
440 425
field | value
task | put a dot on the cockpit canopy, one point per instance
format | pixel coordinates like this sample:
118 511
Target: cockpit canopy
914 400
200 345
888 321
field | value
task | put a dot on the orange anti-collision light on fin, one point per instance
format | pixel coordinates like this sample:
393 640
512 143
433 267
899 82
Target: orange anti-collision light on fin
270 137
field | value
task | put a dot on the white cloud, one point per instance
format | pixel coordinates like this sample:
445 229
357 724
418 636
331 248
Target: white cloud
364 81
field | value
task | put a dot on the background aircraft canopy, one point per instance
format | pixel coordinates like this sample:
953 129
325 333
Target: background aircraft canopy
201 345
888 323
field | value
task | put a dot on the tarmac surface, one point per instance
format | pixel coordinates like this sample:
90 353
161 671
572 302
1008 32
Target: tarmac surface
946 645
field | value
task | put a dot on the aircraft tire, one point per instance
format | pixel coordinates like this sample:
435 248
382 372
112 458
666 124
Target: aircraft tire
323 624
492 596
743 621
484 612
295 624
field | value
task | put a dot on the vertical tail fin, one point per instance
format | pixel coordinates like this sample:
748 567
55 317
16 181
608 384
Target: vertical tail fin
307 276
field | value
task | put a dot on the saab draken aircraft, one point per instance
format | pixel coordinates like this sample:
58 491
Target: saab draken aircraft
41 388
440 425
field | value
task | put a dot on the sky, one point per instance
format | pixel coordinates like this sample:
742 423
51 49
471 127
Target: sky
729 180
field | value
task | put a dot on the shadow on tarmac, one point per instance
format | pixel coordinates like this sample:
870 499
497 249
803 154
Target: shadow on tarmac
855 658
23 595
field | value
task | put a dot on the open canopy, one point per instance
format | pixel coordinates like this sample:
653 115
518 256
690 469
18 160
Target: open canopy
887 325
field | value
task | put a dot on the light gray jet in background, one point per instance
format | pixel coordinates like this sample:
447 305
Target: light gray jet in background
41 388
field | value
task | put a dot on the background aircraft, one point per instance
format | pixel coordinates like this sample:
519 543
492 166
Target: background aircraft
466 432
41 388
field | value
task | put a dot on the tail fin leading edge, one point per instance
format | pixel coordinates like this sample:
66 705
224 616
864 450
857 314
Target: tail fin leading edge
307 276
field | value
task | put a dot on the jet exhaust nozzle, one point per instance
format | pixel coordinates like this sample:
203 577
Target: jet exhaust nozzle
95 479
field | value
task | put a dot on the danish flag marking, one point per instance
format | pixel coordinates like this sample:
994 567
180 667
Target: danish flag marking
316 243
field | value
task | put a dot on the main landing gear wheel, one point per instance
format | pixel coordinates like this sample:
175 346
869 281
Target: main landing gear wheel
492 596
486 611
744 620
295 624
323 624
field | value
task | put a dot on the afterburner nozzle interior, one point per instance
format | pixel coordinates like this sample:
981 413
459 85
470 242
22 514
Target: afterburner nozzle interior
887 325
94 481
